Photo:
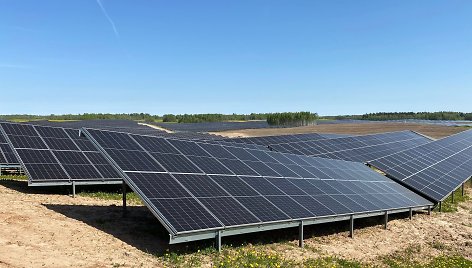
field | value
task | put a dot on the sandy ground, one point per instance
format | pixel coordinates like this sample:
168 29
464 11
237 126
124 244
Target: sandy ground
433 131
40 229
54 230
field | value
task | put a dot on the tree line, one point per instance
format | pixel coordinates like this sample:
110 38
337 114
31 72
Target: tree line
443 115
201 118
286 119
292 119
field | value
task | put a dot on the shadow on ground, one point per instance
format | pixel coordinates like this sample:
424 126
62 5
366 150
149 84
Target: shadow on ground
22 187
140 229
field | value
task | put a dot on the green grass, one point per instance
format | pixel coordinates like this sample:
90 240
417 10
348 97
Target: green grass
332 262
443 261
257 256
448 206
14 177
130 197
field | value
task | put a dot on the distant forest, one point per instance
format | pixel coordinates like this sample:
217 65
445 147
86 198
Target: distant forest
292 119
409 115
286 119
298 118
200 118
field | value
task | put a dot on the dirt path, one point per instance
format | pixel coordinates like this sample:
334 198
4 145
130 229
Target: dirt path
355 129
38 229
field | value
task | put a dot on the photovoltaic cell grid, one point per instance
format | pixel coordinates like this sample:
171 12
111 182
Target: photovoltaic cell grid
56 155
435 169
128 126
267 140
7 157
194 186
357 148
213 126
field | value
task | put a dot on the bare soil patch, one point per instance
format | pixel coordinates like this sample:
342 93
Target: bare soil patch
434 131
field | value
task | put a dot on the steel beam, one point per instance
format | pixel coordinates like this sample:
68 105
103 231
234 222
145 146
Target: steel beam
218 241
351 227
245 229
386 220
411 213
123 190
73 189
463 189
440 206
300 235
429 210
452 197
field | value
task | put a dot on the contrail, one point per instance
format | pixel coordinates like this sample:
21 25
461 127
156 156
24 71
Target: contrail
99 2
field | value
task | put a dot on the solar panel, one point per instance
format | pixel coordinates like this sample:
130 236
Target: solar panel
266 140
190 198
435 169
356 148
53 156
7 157
128 126
213 126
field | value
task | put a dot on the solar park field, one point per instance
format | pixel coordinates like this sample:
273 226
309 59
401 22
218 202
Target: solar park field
290 197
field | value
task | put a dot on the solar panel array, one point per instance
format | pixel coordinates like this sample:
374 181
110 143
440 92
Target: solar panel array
334 135
194 186
7 157
356 148
57 155
266 140
128 126
435 169
213 126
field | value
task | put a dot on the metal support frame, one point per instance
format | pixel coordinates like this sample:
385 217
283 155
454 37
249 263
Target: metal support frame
60 183
123 190
300 235
351 227
218 241
386 220
463 185
73 189
452 197
440 206
411 213
429 210
237 230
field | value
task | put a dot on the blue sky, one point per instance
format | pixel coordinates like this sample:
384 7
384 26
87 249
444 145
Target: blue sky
330 57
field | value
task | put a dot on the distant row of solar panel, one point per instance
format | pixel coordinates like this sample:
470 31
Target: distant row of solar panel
357 148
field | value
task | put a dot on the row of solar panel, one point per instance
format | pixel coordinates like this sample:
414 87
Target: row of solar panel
198 186
193 201
267 140
57 154
434 169
359 148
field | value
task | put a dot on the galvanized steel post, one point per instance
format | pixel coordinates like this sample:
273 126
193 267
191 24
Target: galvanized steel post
351 227
300 235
